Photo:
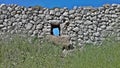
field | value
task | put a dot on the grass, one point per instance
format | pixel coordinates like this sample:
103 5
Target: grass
20 53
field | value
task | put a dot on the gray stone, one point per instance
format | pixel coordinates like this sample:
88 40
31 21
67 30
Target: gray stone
118 30
69 28
87 22
1 26
92 38
88 41
58 14
114 5
3 6
73 38
77 18
54 21
30 32
90 27
65 14
72 35
114 16
76 29
79 21
99 29
109 28
35 32
48 17
71 11
41 11
1 21
72 16
96 34
29 26
106 5
24 16
85 38
52 12
33 28
39 26
103 26
71 25
57 9
24 21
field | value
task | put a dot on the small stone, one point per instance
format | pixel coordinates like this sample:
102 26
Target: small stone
1 21
58 14
29 26
71 11
39 26
87 22
48 17
72 16
52 12
30 32
57 9
114 5
79 21
96 34
106 5
35 32
76 29
109 28
103 26
1 26
114 16
65 14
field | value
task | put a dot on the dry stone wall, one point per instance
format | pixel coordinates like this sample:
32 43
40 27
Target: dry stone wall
81 24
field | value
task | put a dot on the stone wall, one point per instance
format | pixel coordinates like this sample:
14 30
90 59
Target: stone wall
81 24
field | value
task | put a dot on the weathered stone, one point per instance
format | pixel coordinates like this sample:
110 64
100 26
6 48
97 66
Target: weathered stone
76 29
109 28
103 26
35 32
96 34
114 5
55 21
39 26
58 14
65 14
71 11
30 32
87 22
29 26
52 12
106 5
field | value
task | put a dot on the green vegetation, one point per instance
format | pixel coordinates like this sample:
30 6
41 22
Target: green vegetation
19 53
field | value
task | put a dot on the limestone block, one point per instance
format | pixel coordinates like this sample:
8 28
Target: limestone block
52 12
29 26
1 26
76 29
39 26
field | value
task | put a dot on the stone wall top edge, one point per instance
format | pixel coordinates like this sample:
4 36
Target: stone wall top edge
74 7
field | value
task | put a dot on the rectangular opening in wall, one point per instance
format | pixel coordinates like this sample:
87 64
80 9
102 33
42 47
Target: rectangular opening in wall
55 29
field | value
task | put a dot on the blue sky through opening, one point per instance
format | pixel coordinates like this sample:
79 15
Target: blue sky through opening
56 31
60 3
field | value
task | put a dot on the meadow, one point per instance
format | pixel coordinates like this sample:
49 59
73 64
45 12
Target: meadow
21 53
